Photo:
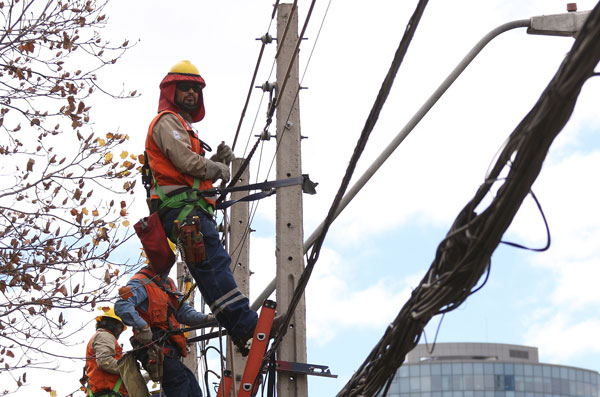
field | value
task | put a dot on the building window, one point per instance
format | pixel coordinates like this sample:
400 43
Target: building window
425 370
509 369
404 371
478 368
446 383
538 384
478 382
547 371
547 385
488 382
524 354
555 386
509 382
518 369
425 383
404 385
499 382
413 370
456 368
519 383
415 384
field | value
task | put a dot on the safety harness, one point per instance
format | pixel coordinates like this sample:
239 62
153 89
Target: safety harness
171 310
189 198
114 392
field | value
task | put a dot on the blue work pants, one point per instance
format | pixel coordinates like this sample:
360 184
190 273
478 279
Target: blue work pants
178 380
215 279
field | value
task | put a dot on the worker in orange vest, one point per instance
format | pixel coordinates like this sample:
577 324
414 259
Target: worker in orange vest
153 306
180 173
102 354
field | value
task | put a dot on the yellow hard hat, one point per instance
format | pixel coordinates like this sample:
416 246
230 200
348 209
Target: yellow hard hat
185 67
110 312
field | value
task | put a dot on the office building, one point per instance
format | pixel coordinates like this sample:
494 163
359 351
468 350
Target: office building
488 370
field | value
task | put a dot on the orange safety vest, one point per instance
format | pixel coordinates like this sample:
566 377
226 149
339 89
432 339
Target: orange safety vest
163 169
162 306
97 378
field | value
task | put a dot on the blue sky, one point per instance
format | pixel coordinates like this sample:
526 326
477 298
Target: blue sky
383 243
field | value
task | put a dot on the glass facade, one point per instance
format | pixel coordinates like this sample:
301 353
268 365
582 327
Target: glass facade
493 379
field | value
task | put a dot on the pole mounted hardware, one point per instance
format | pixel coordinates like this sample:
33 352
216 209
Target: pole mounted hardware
266 38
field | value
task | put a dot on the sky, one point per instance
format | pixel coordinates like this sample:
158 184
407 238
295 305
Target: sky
380 247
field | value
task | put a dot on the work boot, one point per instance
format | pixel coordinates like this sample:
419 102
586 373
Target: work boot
245 342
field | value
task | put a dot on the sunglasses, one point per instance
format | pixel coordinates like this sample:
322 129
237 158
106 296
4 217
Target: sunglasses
187 86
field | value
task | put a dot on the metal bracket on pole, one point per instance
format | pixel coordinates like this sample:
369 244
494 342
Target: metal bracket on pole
303 368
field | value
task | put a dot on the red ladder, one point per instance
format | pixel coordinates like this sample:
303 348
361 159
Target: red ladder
260 341
225 385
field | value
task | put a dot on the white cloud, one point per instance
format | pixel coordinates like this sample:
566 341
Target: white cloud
337 307
561 337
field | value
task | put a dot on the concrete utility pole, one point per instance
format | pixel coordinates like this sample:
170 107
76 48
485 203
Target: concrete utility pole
184 277
239 249
289 225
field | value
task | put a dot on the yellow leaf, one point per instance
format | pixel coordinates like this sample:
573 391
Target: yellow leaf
112 225
101 141
84 210
95 212
125 223
108 157
124 154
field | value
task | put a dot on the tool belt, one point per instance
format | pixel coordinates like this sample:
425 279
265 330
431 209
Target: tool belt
108 393
171 352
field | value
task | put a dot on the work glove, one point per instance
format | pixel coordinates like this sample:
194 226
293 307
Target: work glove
216 170
210 318
224 154
144 335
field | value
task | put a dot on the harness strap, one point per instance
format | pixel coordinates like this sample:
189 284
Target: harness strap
118 385
187 201
115 389
171 310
